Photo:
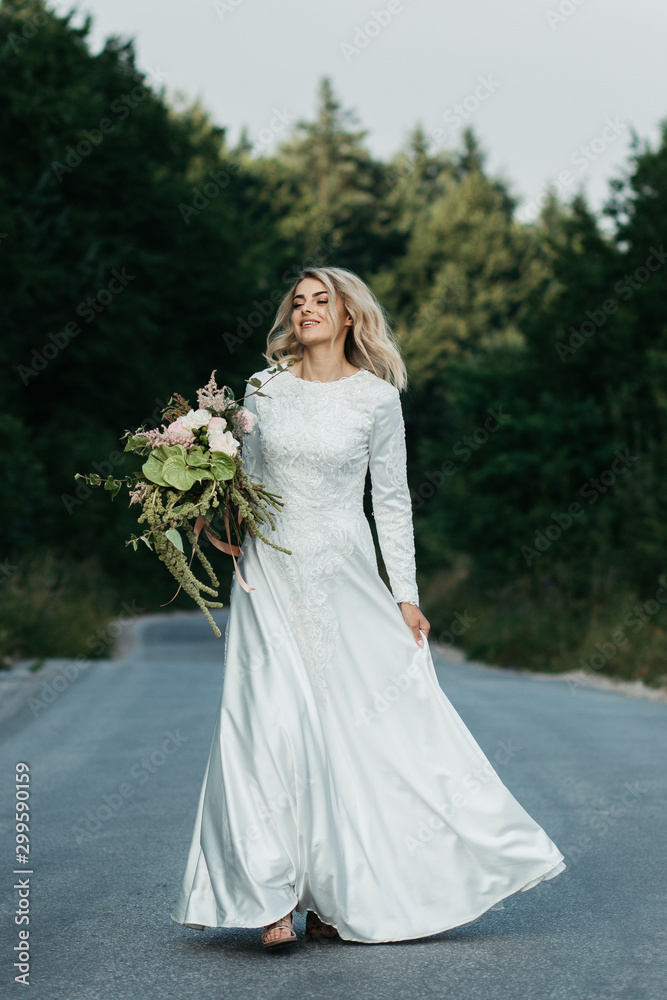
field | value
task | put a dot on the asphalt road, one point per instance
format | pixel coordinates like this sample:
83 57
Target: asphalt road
116 760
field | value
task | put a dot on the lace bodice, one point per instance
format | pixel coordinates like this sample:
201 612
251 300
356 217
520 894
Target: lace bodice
313 444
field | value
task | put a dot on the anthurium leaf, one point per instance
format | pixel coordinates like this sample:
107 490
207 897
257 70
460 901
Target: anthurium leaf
196 458
223 466
176 451
153 470
175 538
176 474
201 474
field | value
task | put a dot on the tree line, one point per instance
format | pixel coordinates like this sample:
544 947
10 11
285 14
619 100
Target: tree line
141 250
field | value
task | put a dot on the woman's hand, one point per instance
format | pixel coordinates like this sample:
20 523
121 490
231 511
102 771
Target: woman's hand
415 620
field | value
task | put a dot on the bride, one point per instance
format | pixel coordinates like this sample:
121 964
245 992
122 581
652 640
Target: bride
341 781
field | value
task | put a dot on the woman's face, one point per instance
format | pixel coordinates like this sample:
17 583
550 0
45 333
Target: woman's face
309 318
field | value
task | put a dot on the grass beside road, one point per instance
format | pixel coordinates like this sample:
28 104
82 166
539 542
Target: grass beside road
614 632
54 607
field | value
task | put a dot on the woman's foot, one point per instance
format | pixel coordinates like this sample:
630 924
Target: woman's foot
317 928
280 932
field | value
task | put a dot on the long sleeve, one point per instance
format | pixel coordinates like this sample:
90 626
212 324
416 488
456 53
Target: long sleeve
251 451
392 507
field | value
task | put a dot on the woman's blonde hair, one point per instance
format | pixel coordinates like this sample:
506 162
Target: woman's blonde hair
369 342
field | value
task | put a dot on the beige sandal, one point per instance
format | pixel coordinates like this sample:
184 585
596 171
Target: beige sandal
285 923
317 928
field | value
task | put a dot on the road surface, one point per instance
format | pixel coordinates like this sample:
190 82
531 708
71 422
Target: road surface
116 756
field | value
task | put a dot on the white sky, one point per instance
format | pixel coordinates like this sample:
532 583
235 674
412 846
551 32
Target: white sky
551 87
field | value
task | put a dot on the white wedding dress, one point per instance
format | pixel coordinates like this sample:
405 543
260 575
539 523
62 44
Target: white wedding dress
340 777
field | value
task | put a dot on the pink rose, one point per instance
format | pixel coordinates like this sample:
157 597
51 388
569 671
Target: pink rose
217 422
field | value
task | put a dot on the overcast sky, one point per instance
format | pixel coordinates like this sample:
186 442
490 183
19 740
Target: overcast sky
551 87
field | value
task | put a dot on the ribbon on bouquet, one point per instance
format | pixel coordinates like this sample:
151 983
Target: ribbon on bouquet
227 547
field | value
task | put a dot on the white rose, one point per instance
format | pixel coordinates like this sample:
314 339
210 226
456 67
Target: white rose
195 419
223 441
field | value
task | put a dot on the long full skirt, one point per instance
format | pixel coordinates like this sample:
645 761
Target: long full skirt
347 785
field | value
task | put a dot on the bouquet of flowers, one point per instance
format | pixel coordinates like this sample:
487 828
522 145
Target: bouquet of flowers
193 470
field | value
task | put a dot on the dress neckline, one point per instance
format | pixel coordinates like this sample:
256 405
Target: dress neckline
332 381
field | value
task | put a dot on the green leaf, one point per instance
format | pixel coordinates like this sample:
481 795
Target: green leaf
165 451
175 538
136 442
175 451
201 474
223 466
153 470
254 381
176 474
146 542
196 458
113 486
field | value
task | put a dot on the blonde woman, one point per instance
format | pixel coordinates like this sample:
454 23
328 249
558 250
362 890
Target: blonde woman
341 781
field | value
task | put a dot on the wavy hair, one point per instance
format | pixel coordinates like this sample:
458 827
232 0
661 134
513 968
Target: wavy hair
369 342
